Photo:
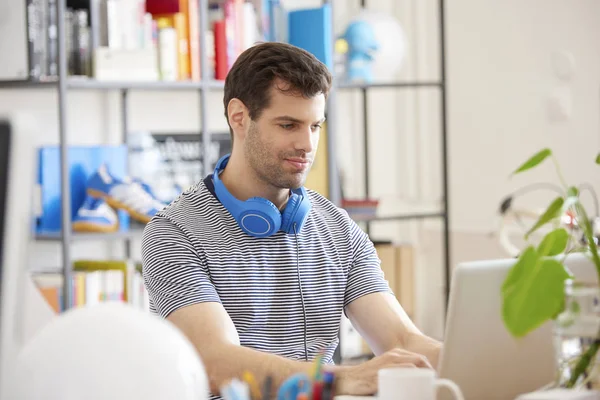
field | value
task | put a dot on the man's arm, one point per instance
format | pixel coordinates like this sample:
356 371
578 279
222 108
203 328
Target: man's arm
374 310
211 331
384 325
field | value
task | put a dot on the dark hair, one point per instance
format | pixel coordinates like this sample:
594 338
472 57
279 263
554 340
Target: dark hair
253 73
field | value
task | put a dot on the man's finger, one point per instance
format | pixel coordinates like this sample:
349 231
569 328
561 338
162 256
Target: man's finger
407 365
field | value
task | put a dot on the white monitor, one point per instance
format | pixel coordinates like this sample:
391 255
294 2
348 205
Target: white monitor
479 354
17 165
50 357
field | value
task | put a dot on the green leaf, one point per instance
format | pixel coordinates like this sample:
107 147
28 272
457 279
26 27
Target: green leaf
598 159
518 270
554 243
572 192
535 297
535 160
553 210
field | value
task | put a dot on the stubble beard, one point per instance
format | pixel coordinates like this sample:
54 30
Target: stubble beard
267 169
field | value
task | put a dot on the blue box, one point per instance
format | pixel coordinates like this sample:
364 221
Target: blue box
310 29
83 163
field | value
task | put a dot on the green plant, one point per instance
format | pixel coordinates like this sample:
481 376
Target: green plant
533 291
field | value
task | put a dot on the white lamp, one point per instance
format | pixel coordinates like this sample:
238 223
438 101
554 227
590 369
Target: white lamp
109 351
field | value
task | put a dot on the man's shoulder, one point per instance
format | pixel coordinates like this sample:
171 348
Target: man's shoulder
325 208
192 204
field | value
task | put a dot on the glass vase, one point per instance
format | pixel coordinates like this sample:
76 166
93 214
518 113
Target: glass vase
577 337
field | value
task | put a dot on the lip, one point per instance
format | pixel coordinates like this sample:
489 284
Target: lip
298 163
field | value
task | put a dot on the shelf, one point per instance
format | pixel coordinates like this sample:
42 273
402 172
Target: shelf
212 84
80 83
374 85
78 237
399 217
45 270
25 84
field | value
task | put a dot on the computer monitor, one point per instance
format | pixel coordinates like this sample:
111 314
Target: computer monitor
41 353
16 226
4 152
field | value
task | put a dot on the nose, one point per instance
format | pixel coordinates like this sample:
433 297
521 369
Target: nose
306 140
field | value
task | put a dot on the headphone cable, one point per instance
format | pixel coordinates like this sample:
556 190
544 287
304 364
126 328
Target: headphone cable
301 294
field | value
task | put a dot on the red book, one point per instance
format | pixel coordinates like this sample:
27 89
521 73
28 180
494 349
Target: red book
155 7
221 67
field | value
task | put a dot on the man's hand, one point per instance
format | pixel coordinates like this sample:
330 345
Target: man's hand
384 325
361 380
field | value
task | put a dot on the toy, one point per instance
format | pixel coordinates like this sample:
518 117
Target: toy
377 47
360 37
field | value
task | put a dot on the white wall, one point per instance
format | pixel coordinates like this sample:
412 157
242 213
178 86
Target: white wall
499 79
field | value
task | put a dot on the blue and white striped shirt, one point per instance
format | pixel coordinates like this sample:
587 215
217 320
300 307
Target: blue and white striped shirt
193 251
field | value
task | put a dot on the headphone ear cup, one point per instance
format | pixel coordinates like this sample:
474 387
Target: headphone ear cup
296 211
302 211
287 217
260 217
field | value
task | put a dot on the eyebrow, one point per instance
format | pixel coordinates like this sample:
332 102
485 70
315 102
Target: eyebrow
287 118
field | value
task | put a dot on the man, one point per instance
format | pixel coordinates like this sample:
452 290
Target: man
269 302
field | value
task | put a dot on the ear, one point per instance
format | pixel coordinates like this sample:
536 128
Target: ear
237 113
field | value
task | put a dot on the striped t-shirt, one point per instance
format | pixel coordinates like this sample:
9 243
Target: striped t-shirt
194 251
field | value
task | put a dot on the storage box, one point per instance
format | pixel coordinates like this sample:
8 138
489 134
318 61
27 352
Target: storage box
397 264
83 163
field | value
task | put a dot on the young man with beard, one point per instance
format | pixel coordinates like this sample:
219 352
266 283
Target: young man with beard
255 269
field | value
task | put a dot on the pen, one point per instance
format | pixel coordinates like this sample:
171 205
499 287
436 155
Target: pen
267 387
317 367
317 390
249 379
328 386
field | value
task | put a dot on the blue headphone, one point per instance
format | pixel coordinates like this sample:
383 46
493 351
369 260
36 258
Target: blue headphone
258 216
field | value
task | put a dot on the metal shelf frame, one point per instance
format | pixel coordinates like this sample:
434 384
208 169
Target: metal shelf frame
65 83
443 214
441 86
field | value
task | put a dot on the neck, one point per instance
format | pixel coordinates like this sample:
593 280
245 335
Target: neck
243 183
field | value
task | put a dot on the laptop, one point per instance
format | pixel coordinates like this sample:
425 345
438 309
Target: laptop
479 354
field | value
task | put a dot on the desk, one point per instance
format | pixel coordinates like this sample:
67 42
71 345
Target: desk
347 397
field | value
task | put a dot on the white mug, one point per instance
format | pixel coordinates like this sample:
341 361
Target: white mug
412 384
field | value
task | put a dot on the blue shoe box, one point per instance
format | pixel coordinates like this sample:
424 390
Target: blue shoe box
83 162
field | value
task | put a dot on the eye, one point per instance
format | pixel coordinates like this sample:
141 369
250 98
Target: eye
316 127
287 127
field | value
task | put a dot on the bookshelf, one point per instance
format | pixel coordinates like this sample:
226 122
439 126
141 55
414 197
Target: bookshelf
64 82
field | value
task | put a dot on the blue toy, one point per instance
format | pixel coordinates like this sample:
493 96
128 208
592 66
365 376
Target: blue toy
258 216
361 44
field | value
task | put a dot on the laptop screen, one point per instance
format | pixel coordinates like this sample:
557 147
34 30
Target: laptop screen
4 153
